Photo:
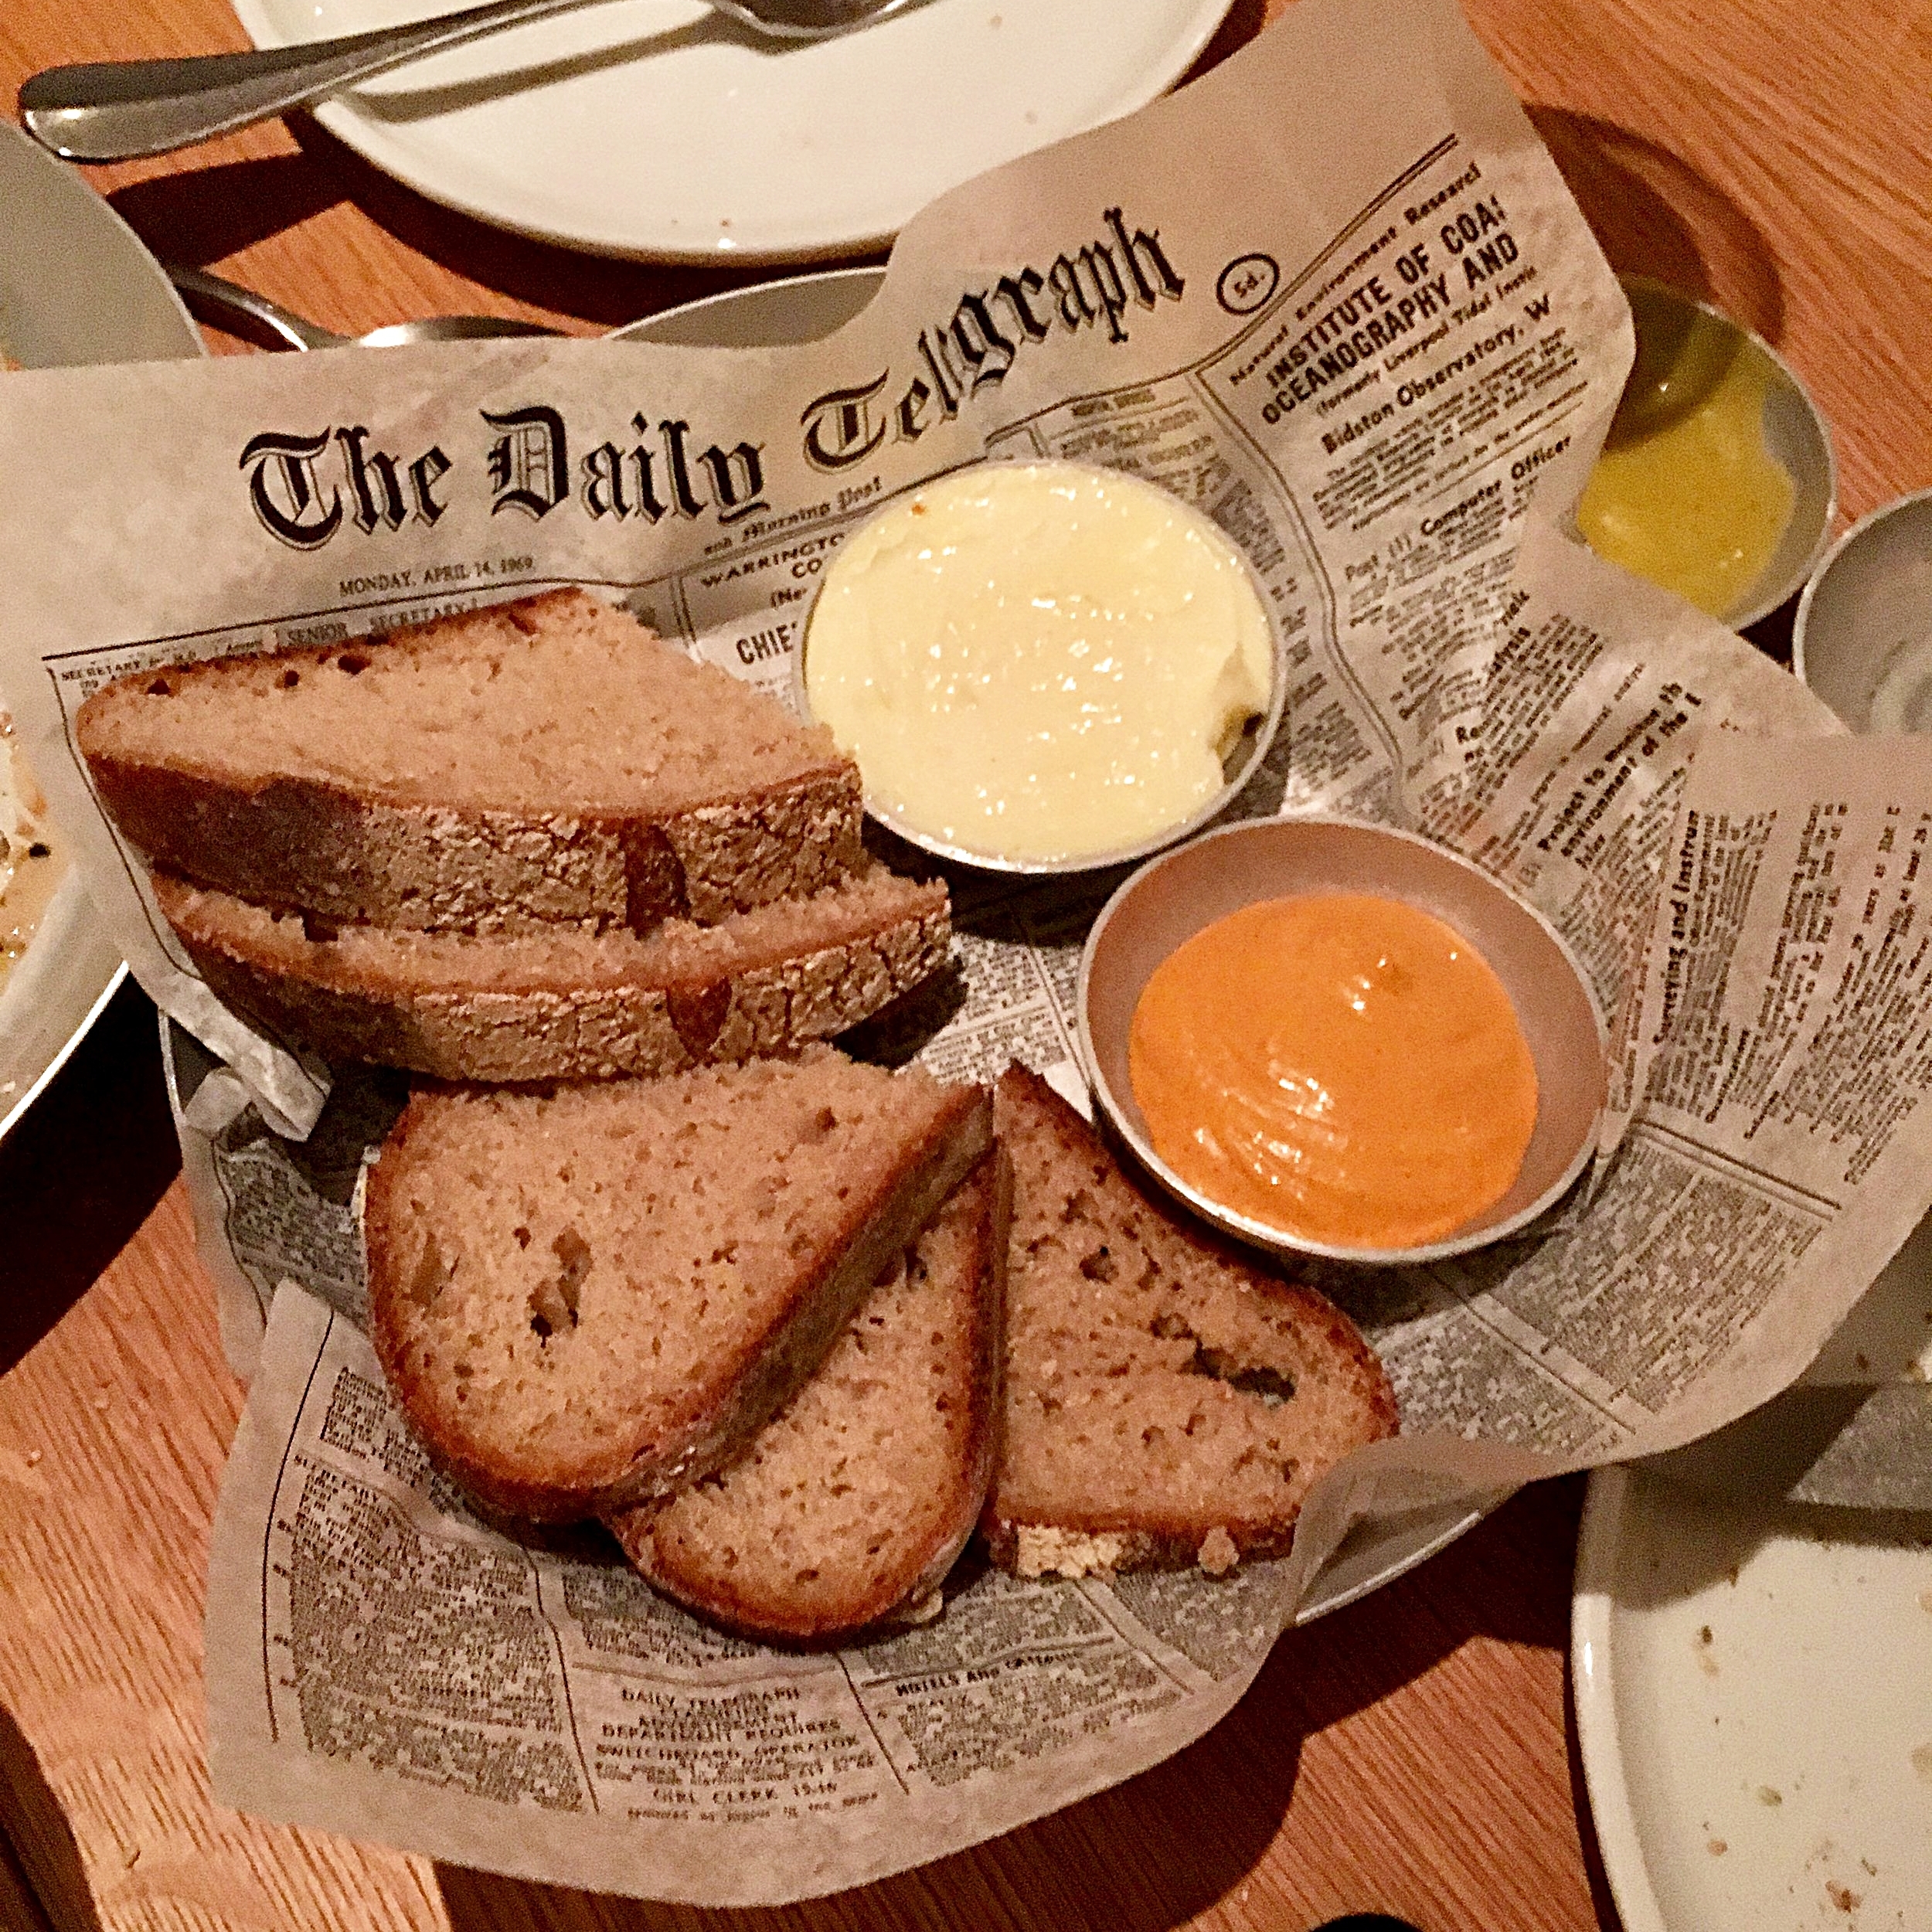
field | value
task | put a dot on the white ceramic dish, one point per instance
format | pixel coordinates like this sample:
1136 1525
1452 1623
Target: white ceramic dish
654 128
803 309
1755 1675
1753 1692
54 994
76 287
75 284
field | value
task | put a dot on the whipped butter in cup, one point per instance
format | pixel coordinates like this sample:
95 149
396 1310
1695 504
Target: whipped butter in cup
1042 666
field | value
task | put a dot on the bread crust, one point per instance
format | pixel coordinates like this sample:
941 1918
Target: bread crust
426 867
1140 1539
639 1532
748 1384
382 855
555 1030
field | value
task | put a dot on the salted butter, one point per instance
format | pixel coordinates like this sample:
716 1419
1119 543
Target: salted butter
1038 661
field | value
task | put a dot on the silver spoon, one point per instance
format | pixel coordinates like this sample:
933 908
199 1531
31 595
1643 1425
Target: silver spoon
205 290
117 111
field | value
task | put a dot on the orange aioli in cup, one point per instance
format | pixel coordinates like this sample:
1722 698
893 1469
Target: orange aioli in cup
1339 1067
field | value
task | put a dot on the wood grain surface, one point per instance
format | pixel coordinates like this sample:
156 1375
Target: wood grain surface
1411 1755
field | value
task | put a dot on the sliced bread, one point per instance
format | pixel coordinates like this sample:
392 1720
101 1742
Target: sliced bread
1167 1403
569 1005
589 1296
544 760
848 1508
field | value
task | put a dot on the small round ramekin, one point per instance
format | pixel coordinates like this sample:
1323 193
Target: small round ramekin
1170 898
1242 762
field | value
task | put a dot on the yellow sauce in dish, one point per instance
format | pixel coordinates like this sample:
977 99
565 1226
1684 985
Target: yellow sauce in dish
1340 1067
1685 492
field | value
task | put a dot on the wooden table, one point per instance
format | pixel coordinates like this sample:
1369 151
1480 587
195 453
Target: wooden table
1411 1755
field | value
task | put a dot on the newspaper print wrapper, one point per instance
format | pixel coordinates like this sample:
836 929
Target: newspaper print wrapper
1335 293
1215 327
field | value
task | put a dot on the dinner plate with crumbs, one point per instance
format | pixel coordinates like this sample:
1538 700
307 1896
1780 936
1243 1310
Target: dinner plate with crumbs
76 287
1753 1677
657 129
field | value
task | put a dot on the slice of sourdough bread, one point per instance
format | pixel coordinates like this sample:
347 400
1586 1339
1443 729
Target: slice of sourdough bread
542 761
1167 1404
848 1508
590 1296
569 1005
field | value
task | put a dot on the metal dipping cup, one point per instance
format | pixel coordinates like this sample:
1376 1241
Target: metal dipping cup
1167 901
1863 624
1243 759
1675 333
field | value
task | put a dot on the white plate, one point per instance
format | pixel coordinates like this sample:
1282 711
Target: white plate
76 287
803 309
656 128
1753 1690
